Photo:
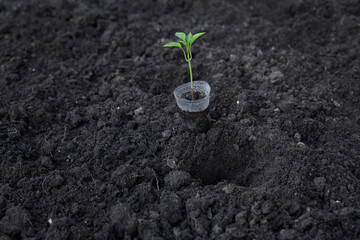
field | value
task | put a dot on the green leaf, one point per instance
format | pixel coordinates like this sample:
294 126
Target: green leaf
172 44
188 37
183 42
196 36
181 35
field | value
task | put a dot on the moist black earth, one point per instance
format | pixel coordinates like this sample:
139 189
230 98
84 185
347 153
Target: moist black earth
197 95
92 144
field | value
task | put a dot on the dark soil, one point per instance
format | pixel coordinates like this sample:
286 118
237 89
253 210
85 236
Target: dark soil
197 95
91 139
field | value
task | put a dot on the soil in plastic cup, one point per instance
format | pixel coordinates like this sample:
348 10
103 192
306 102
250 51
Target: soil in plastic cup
194 112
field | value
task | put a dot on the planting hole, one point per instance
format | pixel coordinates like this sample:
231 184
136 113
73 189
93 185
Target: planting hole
228 162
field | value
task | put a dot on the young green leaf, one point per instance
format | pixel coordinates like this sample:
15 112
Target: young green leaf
181 35
196 36
188 37
172 44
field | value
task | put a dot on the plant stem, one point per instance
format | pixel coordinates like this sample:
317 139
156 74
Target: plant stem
191 82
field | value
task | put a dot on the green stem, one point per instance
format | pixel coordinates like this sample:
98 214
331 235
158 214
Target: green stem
191 77
184 53
188 59
191 81
190 52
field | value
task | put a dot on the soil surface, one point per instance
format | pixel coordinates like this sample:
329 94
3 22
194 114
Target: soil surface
92 144
197 95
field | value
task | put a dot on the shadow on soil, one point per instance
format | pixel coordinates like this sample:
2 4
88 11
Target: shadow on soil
224 161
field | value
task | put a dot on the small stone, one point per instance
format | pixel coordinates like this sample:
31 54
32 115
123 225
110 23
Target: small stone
119 80
303 222
301 145
252 138
297 137
259 53
320 183
139 111
176 179
171 162
276 77
287 234
336 104
253 223
233 58
166 133
232 117
228 189
245 122
56 181
255 209
240 218
266 207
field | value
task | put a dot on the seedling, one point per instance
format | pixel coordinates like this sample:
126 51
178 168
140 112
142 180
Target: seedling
187 41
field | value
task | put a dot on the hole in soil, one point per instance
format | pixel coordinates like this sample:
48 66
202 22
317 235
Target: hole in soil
224 162
311 131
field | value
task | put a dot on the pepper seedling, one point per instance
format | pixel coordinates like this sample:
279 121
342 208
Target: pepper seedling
187 41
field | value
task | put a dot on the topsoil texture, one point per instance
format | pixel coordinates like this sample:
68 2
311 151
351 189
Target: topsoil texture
92 144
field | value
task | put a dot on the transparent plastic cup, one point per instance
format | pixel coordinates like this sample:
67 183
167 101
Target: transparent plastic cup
194 113
196 105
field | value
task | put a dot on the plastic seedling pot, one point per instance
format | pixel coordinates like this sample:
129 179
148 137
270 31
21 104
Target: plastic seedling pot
194 112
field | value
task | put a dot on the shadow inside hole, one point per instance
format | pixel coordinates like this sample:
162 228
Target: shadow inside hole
225 162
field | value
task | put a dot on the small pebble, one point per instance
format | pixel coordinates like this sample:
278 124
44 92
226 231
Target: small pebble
171 162
241 217
139 111
252 138
266 207
166 133
297 137
301 145
229 188
276 77
232 117
233 58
